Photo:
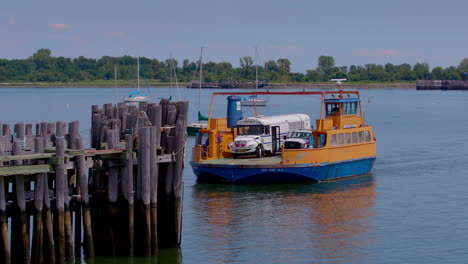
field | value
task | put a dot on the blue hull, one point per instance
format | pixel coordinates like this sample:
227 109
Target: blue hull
281 173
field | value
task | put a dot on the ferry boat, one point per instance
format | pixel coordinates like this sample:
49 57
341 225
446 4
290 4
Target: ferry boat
342 145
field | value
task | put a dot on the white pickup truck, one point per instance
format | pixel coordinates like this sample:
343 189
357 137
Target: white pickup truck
299 139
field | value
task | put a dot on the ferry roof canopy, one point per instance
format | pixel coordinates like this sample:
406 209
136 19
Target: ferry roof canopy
343 100
268 120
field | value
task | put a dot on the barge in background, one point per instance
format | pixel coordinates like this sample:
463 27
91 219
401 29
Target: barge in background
343 145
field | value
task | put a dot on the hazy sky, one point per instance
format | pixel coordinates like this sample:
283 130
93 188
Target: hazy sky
353 32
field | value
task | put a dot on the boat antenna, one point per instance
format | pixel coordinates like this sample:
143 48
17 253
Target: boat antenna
339 84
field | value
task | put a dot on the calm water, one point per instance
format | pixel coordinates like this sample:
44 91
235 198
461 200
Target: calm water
412 208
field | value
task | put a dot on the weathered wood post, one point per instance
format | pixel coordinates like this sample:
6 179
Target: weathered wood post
178 184
171 185
144 171
37 245
154 170
127 190
60 185
6 130
49 241
88 243
61 128
20 246
4 243
112 191
73 133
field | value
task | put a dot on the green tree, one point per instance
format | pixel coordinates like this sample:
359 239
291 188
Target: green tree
437 73
326 63
271 66
463 65
284 66
247 70
421 71
313 76
42 59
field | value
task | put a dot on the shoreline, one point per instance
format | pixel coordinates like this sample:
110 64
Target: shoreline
165 85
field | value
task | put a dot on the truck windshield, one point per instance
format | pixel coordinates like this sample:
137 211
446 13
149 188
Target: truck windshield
249 130
300 135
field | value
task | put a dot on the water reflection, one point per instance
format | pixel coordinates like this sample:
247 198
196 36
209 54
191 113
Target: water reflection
324 222
165 255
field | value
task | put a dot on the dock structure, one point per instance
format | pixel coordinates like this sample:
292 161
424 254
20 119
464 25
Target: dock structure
445 85
121 197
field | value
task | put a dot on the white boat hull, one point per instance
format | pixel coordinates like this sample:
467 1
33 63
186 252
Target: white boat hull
254 102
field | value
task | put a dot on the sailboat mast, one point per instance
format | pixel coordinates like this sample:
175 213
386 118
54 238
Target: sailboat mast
115 76
200 84
115 82
256 69
138 73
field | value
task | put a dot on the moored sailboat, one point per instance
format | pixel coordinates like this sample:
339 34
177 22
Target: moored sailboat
194 127
137 96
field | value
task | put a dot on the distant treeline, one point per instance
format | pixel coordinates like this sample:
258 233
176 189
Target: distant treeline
43 67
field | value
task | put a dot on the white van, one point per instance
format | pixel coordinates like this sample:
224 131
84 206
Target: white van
264 134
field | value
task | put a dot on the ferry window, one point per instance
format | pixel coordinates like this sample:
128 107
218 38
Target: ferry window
323 141
348 138
354 137
345 108
350 108
250 130
368 136
361 136
333 140
340 139
353 110
333 109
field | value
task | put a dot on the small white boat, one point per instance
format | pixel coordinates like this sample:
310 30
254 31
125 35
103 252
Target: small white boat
136 97
253 101
193 128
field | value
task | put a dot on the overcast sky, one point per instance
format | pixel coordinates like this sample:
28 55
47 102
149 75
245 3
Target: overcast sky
353 32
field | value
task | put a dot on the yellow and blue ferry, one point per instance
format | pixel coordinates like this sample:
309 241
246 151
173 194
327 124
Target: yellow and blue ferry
342 145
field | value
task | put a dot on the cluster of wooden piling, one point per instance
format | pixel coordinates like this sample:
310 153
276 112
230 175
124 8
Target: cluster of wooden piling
122 196
446 85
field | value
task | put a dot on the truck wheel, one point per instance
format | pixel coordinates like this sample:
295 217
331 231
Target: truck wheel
258 152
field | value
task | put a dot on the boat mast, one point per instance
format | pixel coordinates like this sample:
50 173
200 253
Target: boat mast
115 81
256 68
138 73
200 83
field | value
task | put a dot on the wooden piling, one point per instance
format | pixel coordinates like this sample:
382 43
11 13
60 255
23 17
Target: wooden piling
4 239
49 241
21 246
154 170
144 171
104 201
127 190
73 133
112 192
81 172
37 244
6 130
60 196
